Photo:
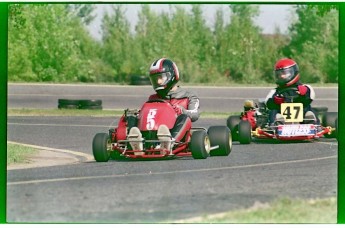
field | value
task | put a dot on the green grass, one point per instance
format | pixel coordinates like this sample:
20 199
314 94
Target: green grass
93 113
184 84
284 210
63 112
19 154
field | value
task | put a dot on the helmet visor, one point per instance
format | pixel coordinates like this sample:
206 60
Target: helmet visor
283 76
160 80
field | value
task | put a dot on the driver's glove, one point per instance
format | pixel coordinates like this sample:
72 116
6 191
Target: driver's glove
278 99
178 109
302 90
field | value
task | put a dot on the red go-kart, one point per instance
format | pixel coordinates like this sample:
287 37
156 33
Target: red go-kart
253 123
197 142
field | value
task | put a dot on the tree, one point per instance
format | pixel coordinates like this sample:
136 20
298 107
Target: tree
52 45
117 43
314 44
84 11
242 44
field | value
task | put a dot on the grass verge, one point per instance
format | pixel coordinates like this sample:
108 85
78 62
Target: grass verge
19 154
93 113
284 210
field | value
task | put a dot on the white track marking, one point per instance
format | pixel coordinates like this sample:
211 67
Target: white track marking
172 172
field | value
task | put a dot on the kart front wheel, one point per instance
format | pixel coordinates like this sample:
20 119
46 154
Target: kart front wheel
101 147
244 132
200 145
220 136
232 123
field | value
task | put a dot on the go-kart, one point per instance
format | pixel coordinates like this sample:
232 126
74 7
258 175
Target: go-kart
253 122
197 142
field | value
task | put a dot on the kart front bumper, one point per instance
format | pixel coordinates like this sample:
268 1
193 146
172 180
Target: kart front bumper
266 134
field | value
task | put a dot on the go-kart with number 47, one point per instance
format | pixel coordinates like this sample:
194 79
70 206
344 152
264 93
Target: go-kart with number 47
286 113
253 122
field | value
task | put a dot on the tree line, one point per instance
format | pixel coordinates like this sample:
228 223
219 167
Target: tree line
50 43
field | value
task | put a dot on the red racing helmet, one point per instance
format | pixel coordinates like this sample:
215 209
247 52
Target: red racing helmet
286 72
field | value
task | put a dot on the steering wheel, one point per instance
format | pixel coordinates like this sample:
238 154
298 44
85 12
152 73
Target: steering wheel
157 100
289 93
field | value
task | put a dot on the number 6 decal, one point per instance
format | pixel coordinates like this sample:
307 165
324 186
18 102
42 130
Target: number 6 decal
292 112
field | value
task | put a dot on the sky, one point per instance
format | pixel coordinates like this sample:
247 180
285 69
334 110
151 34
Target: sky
271 16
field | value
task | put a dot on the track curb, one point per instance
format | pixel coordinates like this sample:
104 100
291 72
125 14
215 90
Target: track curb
50 157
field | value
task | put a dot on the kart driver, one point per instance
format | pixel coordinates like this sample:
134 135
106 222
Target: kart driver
164 76
289 89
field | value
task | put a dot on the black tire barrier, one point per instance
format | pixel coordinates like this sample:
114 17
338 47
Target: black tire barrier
68 106
85 103
68 102
93 107
139 80
80 104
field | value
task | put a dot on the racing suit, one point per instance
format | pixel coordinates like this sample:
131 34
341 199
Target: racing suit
186 105
297 93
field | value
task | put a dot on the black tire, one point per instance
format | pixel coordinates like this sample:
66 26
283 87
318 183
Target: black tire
200 145
68 106
232 123
220 136
320 112
83 103
329 120
320 109
68 102
336 129
139 80
92 107
100 147
244 132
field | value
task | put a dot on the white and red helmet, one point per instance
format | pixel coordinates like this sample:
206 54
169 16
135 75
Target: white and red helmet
168 72
286 72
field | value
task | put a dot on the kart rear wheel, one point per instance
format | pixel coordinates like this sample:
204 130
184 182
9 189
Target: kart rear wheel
232 123
336 129
320 112
220 136
200 145
101 146
244 132
329 120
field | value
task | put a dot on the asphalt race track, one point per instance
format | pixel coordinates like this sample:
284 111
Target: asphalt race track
156 191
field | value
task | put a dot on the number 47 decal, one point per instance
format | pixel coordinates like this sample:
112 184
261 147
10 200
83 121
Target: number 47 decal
292 112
